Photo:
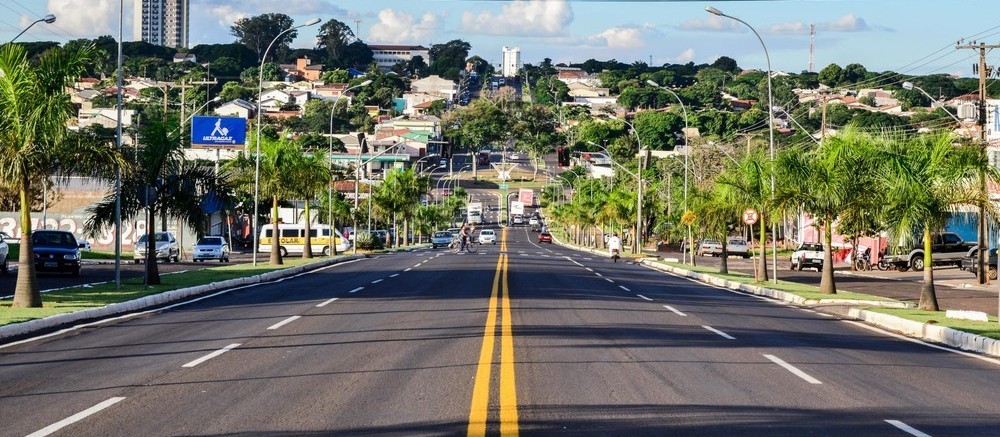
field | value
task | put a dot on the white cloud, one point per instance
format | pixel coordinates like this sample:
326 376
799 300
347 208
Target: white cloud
226 12
847 23
98 17
684 57
713 23
401 27
522 18
620 37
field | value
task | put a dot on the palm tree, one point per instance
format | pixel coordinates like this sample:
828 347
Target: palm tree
311 175
277 161
342 210
717 217
160 181
748 185
34 109
925 177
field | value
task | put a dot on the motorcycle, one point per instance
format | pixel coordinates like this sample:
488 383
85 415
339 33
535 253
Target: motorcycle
614 255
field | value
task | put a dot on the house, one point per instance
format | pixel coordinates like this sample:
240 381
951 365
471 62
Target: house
581 89
881 97
966 105
740 105
272 100
436 86
570 75
185 57
413 100
306 70
237 108
84 96
107 117
387 56
86 83
422 108
330 91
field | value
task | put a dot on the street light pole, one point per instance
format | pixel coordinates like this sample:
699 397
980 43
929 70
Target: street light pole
329 190
48 19
684 109
256 172
770 130
638 214
118 147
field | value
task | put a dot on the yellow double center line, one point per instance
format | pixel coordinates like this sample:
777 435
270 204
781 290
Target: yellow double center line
479 411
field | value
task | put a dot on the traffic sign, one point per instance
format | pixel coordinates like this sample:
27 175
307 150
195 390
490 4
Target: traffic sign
750 216
503 186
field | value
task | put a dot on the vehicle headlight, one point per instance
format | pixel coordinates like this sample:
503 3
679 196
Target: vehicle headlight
69 256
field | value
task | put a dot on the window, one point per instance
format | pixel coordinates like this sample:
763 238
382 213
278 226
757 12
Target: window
313 233
951 239
290 233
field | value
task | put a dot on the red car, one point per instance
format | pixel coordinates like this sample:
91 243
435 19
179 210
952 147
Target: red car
545 237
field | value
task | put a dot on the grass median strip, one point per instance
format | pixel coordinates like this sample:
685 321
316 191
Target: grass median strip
989 329
801 290
81 298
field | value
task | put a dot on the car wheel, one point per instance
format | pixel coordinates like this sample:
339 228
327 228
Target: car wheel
326 251
746 256
177 258
76 272
902 268
917 263
135 261
283 251
799 266
992 273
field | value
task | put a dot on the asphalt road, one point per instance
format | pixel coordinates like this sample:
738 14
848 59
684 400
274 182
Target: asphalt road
514 338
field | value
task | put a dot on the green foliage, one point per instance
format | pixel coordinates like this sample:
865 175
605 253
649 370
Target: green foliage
336 76
449 58
831 76
239 53
233 90
548 90
257 32
334 38
659 130
367 241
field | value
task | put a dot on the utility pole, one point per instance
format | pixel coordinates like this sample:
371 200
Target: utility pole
984 195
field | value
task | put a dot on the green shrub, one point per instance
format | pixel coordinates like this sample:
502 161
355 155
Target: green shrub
367 241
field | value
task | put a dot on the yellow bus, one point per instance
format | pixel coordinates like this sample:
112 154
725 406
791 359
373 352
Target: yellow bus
292 239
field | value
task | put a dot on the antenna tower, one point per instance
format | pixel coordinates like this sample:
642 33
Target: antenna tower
357 29
812 45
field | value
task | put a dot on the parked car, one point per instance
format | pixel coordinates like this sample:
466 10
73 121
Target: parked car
738 246
56 251
84 245
166 248
545 237
211 248
441 239
4 252
708 246
487 236
808 255
946 248
971 263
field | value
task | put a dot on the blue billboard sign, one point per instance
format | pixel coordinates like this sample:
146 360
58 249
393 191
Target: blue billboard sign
218 131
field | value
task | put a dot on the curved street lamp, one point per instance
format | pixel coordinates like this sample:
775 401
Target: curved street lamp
260 90
329 190
770 130
48 19
684 109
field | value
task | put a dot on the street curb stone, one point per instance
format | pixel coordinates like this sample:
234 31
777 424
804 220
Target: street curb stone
155 300
924 331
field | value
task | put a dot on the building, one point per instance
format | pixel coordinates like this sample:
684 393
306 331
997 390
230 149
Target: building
237 108
162 22
436 86
303 69
510 63
387 56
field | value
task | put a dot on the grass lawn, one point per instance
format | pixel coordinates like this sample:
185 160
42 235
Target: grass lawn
989 329
79 298
802 290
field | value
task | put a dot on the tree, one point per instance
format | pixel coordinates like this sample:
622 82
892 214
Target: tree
449 58
726 64
334 37
658 130
831 76
925 177
233 90
336 76
357 54
748 185
854 73
277 160
311 175
160 182
257 32
34 110
478 125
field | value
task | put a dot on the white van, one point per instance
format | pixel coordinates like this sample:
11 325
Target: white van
292 239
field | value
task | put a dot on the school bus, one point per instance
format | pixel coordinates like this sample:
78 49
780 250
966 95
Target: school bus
292 239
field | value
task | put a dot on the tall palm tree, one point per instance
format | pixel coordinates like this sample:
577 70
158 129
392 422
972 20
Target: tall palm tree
311 175
34 109
716 217
159 181
925 178
341 210
748 185
277 161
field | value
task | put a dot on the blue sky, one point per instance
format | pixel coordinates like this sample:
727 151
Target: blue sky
914 36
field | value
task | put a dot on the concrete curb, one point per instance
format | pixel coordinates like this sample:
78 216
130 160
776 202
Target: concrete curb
930 332
923 331
115 309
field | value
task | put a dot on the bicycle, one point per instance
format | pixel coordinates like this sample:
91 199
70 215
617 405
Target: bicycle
863 264
456 245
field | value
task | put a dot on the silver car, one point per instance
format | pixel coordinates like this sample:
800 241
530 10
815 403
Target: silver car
209 248
4 252
166 248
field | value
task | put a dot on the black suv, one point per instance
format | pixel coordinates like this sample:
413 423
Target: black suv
971 263
56 251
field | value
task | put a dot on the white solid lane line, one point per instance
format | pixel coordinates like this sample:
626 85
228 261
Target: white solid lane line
356 290
283 322
793 369
907 428
624 288
408 269
394 275
76 417
327 302
589 269
377 281
674 310
644 297
417 265
721 334
212 355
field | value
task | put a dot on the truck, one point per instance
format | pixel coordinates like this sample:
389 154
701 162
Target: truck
947 248
475 213
807 255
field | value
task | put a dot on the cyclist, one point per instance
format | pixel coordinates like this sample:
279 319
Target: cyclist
463 236
614 246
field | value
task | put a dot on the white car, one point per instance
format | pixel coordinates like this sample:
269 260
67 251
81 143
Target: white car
211 248
487 236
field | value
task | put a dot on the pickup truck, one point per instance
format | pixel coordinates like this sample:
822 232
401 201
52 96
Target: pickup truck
735 246
808 255
947 248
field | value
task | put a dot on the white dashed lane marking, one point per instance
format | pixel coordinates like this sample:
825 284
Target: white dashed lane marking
356 290
674 310
212 355
907 428
793 369
624 288
644 297
394 275
75 418
283 322
327 302
721 334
